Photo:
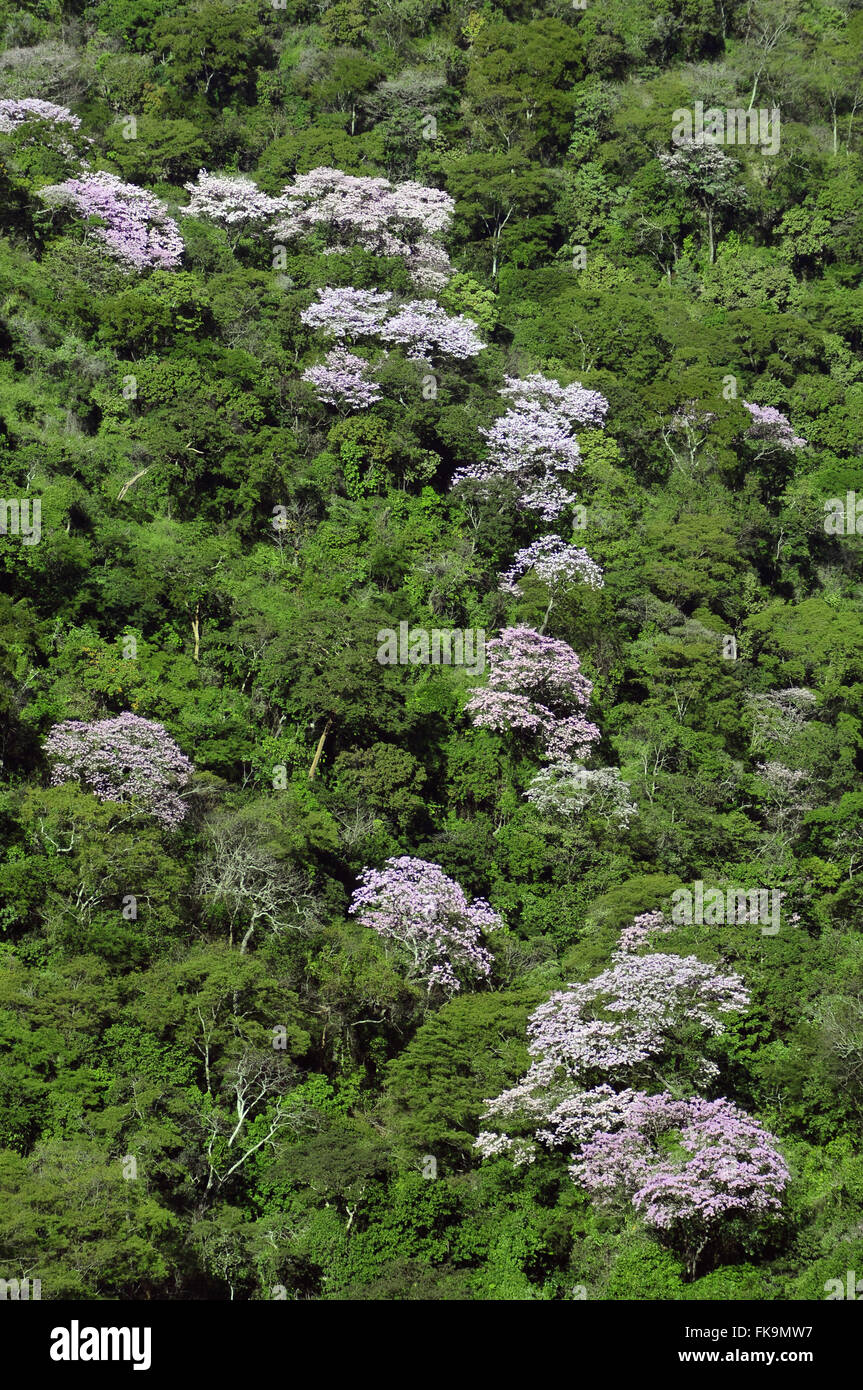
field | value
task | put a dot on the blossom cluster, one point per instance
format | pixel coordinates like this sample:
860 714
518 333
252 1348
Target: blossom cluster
343 379
534 444
638 932
555 563
684 1161
132 223
402 219
567 788
124 759
420 326
416 906
772 427
535 687
230 200
14 113
684 1164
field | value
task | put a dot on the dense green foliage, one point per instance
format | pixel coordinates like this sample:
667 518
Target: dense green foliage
217 1083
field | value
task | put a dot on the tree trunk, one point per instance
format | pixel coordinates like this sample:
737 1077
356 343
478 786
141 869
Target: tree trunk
196 630
319 750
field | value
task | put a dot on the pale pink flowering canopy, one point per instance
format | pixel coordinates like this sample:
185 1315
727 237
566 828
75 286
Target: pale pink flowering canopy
535 687
555 563
135 226
413 904
387 219
772 427
125 759
343 312
722 1164
343 379
15 112
534 444
229 200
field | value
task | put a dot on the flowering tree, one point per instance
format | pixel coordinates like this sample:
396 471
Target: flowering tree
536 688
343 379
557 564
554 562
132 223
533 442
14 113
234 202
687 1166
423 328
708 178
638 932
617 1027
778 715
388 219
126 759
347 313
630 1013
425 914
568 789
772 429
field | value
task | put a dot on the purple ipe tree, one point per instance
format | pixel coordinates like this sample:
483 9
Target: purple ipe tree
630 1015
345 210
771 429
557 564
424 330
536 690
131 223
127 759
428 922
343 312
533 443
638 932
620 1028
421 327
344 380
231 201
14 113
688 1168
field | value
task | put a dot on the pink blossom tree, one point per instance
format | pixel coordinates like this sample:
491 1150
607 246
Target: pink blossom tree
772 429
126 759
534 444
420 326
536 689
423 329
344 210
231 201
343 312
687 1166
16 112
344 380
131 223
425 916
557 564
